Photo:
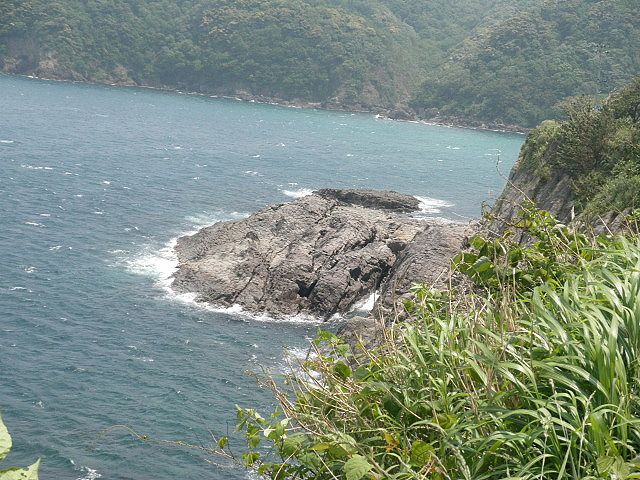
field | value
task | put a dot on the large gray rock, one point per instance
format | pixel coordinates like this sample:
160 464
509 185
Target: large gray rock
427 259
318 255
372 199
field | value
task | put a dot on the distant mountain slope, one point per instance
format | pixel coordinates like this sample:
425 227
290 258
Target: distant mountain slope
310 50
516 70
478 60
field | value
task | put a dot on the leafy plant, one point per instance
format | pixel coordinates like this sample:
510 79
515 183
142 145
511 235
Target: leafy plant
29 473
532 374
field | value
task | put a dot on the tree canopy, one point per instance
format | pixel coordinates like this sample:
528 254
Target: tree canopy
479 60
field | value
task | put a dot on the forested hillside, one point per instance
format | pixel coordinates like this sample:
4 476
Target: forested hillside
518 69
480 60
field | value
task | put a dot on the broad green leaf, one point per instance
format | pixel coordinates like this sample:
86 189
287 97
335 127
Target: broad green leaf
342 370
249 459
223 442
421 453
482 264
5 440
292 444
321 447
339 450
605 464
356 467
29 473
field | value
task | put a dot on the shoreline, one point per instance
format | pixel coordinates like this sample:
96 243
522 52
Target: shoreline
378 112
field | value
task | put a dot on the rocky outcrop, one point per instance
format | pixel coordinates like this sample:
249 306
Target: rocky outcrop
427 259
550 191
318 255
381 200
549 188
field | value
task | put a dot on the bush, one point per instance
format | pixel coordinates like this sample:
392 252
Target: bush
532 373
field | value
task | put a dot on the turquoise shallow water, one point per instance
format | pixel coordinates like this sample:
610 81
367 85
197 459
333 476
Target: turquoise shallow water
95 183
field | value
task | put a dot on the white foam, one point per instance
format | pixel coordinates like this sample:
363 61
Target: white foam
293 364
206 219
163 263
35 167
6 141
300 318
55 248
106 182
88 473
301 192
160 265
366 304
34 224
430 205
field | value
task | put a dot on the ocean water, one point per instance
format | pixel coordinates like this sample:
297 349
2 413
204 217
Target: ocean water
96 183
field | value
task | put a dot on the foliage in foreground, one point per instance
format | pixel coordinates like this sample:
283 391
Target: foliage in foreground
29 473
532 373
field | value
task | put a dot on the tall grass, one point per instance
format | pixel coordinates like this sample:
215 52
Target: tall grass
534 375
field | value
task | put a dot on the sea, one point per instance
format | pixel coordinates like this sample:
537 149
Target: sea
104 371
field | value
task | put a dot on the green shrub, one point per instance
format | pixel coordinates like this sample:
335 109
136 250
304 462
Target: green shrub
618 194
533 373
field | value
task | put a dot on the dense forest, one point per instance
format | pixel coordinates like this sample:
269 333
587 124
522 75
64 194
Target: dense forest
518 69
596 147
492 61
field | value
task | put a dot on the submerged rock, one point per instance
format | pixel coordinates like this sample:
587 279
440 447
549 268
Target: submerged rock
318 255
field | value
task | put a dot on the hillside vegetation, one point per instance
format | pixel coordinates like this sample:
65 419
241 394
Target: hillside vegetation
518 69
597 148
491 61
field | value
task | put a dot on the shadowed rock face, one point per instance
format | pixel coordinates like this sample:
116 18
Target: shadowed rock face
552 194
318 255
427 259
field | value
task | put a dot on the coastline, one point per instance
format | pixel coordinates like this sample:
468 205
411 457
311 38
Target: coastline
399 114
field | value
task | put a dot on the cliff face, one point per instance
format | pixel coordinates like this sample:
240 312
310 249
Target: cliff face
550 191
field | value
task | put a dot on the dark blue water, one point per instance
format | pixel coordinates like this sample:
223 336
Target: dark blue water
95 183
